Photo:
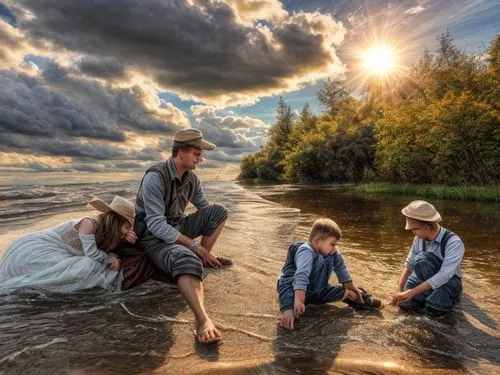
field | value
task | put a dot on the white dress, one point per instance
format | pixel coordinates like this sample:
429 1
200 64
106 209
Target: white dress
54 260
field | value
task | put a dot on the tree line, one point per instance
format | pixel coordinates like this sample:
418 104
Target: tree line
437 124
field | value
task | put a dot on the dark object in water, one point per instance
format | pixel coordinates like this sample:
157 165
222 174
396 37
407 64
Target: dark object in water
369 303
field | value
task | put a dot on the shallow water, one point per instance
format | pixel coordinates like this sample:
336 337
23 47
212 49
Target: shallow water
149 328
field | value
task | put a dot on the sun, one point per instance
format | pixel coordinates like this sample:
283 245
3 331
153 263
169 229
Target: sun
379 60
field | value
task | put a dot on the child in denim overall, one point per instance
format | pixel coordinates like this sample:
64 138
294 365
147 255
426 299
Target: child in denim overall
308 267
432 275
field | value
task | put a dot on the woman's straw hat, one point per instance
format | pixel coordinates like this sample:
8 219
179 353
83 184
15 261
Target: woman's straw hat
423 211
119 205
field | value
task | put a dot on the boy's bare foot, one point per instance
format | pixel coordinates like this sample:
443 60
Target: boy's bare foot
206 333
287 320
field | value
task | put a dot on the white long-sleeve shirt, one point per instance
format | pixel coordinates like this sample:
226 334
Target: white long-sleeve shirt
454 253
91 250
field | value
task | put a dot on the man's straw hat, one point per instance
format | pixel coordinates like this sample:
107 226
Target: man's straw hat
193 137
119 205
423 211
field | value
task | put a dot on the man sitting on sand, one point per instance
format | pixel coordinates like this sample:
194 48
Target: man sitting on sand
168 235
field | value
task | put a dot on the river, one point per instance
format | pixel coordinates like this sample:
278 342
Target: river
149 329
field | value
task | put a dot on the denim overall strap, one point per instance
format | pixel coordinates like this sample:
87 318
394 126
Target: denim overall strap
444 241
446 236
424 246
292 250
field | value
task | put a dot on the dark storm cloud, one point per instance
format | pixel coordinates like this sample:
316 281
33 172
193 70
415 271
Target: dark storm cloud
220 155
208 165
101 68
128 165
59 105
28 106
222 137
10 43
200 50
89 168
120 106
8 39
45 168
149 154
90 151
60 147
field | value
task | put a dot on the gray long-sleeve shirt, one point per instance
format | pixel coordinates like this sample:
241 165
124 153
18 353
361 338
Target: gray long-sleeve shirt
454 253
161 220
311 271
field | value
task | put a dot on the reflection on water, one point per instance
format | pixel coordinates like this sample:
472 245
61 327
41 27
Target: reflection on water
49 333
373 226
149 329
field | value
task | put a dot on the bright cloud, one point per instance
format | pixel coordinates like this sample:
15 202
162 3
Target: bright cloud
234 136
415 10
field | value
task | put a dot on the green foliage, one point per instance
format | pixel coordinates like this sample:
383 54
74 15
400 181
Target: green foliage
491 77
494 57
279 134
267 164
402 153
440 124
469 193
445 128
332 95
332 155
467 141
250 165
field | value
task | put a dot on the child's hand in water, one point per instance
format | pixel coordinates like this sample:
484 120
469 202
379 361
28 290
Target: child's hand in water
287 320
298 309
350 286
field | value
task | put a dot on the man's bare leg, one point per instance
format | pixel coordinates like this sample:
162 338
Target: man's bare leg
191 289
208 242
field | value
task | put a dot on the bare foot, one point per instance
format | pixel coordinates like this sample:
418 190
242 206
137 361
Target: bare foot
206 333
287 320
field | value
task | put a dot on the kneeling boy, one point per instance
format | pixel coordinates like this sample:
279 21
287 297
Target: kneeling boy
432 278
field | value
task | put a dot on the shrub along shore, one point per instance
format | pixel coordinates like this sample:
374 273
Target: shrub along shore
463 193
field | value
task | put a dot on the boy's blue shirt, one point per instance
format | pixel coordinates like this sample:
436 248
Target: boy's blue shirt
309 270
